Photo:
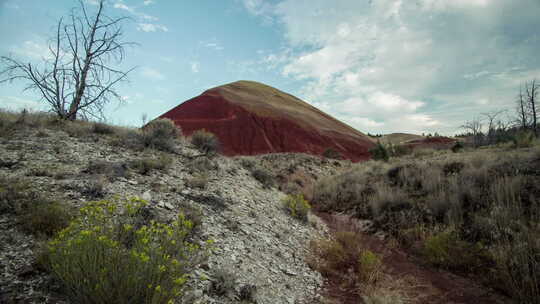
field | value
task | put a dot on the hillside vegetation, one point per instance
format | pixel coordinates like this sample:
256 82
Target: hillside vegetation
95 213
473 213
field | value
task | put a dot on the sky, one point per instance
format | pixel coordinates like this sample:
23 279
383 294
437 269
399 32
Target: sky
381 66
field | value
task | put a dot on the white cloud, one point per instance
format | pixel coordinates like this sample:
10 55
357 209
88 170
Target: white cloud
148 2
32 50
144 26
16 103
152 73
214 45
258 7
195 67
445 4
122 6
399 62
151 27
363 122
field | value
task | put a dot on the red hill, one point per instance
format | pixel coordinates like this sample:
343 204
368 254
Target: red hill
252 118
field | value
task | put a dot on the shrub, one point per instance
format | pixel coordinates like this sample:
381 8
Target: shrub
390 208
453 168
334 257
95 188
110 169
523 139
337 259
332 153
518 264
104 257
103 128
46 218
128 138
379 152
369 266
446 250
224 281
198 181
264 177
77 129
457 147
160 134
146 165
297 206
201 165
36 214
518 253
399 150
205 141
248 163
423 152
16 195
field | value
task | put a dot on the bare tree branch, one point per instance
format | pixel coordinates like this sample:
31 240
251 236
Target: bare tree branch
77 79
531 90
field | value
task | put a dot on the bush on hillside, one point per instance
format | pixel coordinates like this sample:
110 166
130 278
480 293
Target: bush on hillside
202 165
523 139
46 218
447 250
205 141
36 214
457 147
345 259
263 176
332 153
297 206
369 266
161 134
399 150
107 255
103 128
379 152
146 165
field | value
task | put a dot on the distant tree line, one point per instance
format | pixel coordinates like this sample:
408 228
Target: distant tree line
503 126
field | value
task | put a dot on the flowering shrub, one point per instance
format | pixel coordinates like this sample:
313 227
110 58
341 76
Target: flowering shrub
106 255
297 206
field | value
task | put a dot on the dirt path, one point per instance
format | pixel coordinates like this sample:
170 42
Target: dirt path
423 284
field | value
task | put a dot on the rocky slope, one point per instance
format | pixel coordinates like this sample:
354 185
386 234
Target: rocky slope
251 118
258 246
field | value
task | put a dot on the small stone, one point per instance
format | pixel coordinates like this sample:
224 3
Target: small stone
147 196
289 272
132 182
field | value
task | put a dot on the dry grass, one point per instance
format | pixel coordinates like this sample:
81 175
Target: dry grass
36 214
205 141
146 165
467 212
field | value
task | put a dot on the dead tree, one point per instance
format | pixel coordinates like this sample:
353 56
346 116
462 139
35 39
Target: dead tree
474 127
521 109
494 124
531 89
76 78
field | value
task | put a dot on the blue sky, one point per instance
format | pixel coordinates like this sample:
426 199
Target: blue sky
381 66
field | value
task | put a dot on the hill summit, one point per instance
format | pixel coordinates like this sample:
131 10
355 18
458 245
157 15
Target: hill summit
252 118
